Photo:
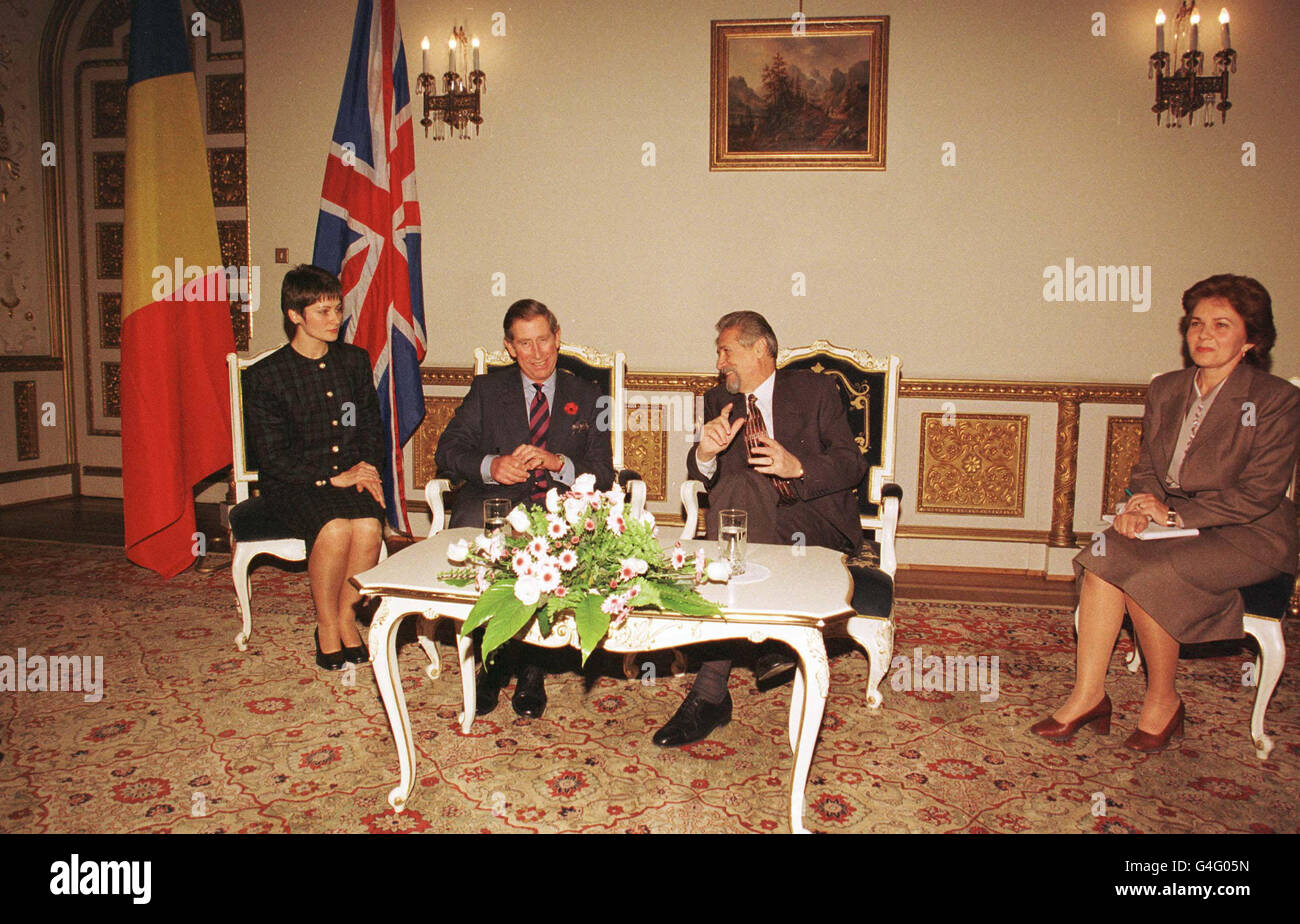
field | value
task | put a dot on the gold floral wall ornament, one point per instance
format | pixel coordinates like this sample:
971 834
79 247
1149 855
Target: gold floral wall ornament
973 464
1123 443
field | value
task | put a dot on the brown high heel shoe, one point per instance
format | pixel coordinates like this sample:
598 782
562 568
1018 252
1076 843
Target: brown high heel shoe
1148 743
1053 730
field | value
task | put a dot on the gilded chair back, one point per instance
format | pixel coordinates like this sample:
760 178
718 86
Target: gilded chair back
607 371
868 387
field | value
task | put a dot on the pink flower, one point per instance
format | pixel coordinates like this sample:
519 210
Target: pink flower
615 522
679 557
480 579
561 591
549 575
520 561
699 564
616 606
590 525
537 548
556 527
568 560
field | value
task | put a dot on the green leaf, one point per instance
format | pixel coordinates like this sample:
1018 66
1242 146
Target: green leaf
648 595
487 604
547 614
508 619
685 601
592 623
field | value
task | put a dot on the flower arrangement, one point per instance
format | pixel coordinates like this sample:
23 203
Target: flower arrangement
581 555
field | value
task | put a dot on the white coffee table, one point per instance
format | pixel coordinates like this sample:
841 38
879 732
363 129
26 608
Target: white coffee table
807 589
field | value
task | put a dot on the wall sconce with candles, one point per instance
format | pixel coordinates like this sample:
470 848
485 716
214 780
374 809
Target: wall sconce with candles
458 106
1186 90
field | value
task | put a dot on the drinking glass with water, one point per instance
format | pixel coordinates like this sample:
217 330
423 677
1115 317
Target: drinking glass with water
495 511
733 530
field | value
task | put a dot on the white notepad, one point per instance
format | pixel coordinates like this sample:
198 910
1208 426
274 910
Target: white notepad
1160 531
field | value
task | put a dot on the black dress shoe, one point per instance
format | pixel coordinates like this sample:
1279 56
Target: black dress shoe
356 655
328 661
529 700
486 691
773 664
694 721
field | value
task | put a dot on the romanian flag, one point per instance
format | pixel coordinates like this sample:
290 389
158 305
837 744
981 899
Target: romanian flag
176 327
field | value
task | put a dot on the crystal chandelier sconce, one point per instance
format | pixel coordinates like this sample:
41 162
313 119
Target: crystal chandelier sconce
457 107
1184 92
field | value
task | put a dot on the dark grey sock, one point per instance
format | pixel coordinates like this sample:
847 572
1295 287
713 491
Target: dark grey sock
711 681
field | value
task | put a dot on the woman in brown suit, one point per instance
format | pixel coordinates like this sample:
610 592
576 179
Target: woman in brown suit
1219 446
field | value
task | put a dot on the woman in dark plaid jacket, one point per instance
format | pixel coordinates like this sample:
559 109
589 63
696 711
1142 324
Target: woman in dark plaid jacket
313 422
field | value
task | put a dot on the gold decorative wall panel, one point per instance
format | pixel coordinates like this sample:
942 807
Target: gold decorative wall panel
227 168
1123 441
111 388
108 109
109 179
645 447
110 320
108 250
225 103
973 464
228 14
27 429
438 412
103 21
234 252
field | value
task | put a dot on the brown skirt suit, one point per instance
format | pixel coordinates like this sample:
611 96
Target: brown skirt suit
1232 487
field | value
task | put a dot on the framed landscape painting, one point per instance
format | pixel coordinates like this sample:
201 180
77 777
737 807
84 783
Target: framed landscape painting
799 94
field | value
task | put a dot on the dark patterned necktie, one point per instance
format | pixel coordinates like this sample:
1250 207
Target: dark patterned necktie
539 423
754 428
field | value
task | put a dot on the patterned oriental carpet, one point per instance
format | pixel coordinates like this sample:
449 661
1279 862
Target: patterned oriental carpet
193 735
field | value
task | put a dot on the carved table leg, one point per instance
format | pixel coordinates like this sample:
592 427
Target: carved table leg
383 646
429 625
808 644
796 711
465 645
876 636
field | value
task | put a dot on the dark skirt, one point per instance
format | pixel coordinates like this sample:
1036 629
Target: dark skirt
1188 585
305 510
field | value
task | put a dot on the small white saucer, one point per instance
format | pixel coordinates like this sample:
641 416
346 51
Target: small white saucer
754 573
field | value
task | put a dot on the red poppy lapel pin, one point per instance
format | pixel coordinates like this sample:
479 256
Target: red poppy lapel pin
571 408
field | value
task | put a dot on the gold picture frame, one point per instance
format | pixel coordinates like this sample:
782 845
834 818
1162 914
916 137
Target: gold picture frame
799 94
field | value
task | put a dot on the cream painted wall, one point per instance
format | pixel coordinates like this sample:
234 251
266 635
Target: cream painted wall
1057 156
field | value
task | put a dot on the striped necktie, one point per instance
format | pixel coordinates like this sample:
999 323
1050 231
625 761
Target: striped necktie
539 423
754 428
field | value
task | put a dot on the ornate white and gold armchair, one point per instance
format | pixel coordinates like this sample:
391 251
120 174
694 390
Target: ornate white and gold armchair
869 389
254 529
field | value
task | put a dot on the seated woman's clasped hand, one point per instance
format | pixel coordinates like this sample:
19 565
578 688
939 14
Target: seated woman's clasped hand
366 478
1140 510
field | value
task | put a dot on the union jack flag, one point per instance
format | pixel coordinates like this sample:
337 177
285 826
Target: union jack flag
368 231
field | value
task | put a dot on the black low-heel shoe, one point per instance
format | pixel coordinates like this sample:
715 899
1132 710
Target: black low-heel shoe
332 661
694 721
356 655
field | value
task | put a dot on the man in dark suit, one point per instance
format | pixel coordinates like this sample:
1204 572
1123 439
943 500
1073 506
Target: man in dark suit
778 445
520 431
